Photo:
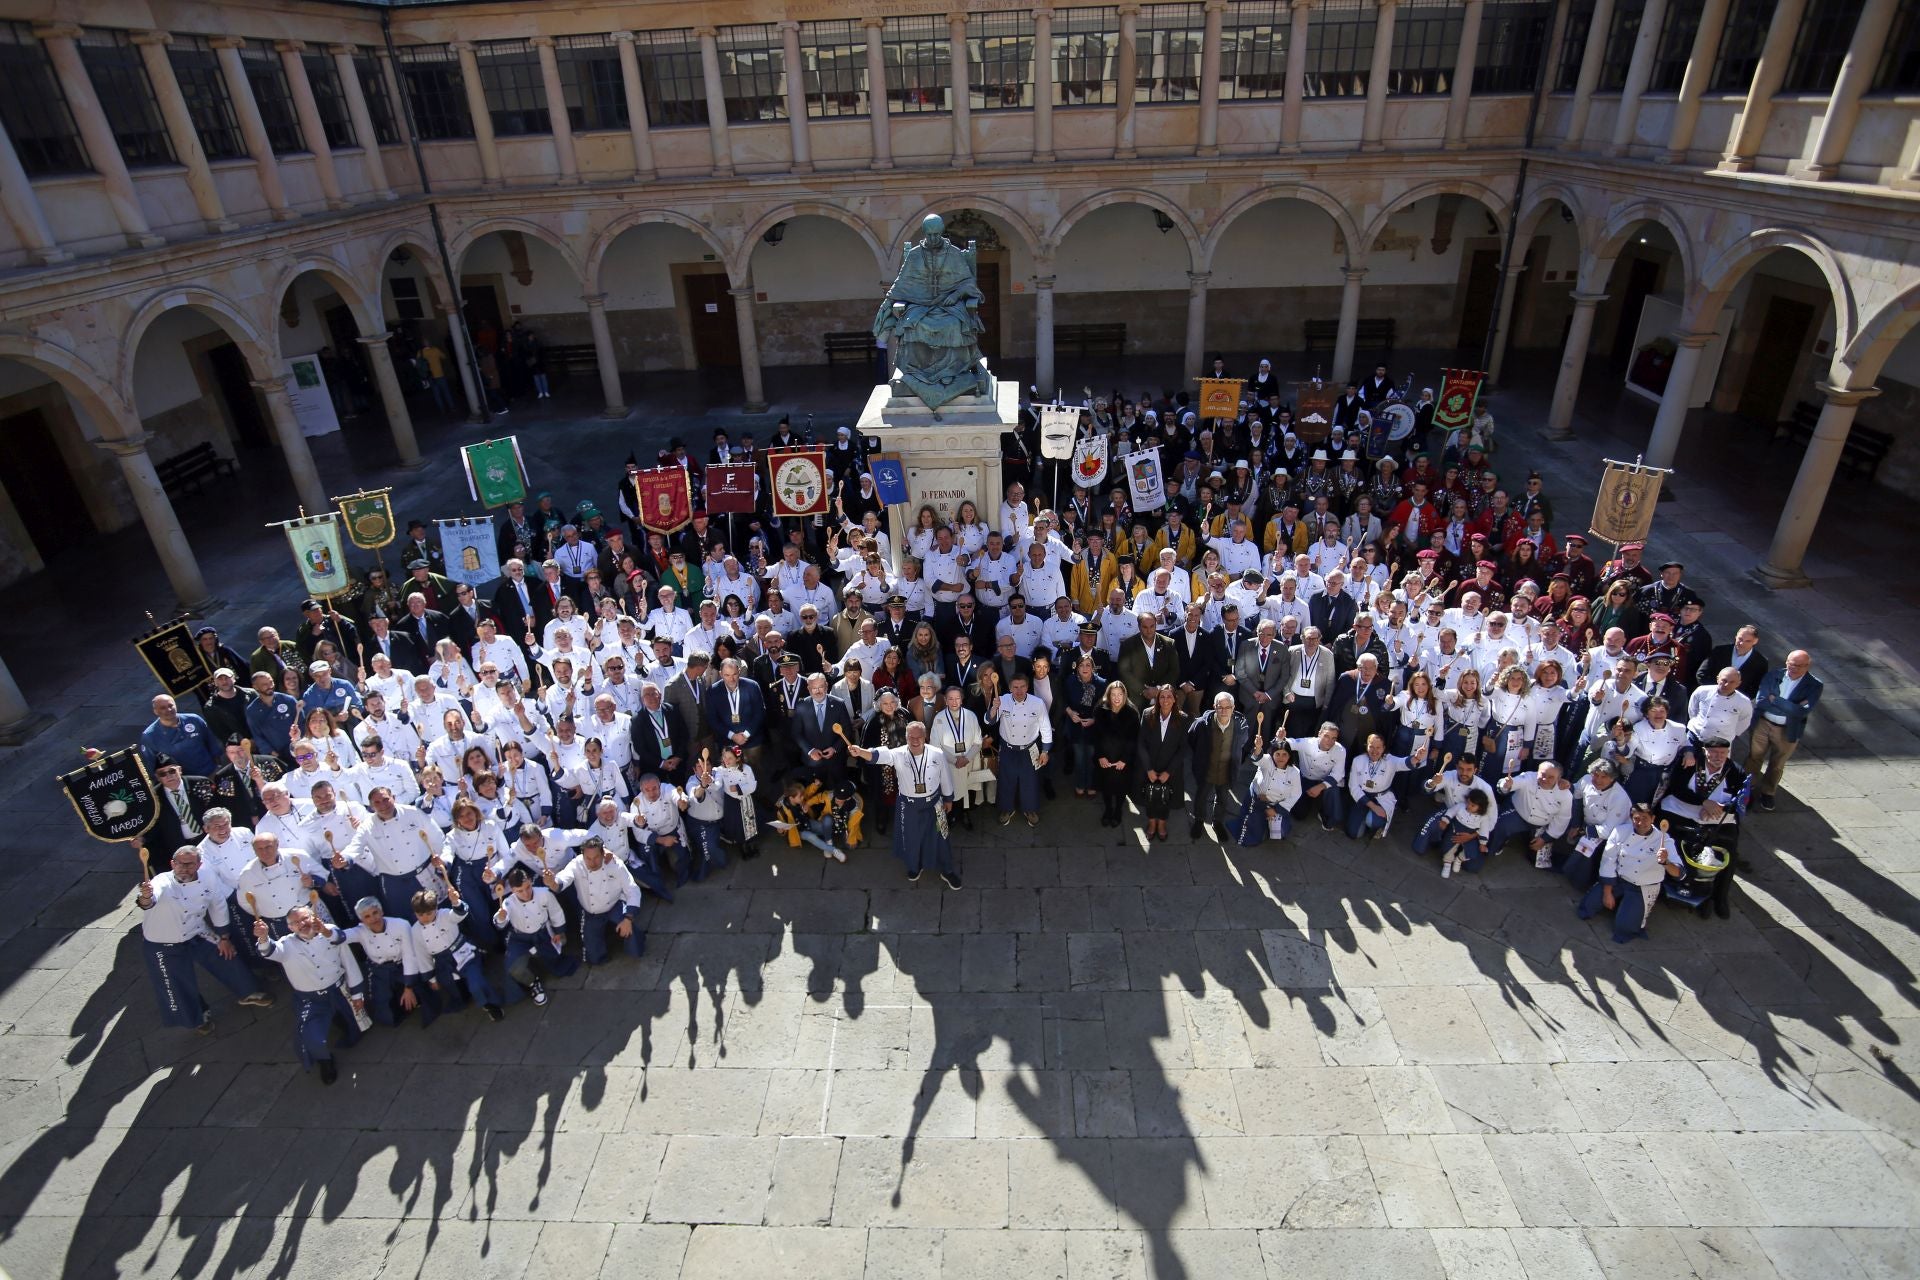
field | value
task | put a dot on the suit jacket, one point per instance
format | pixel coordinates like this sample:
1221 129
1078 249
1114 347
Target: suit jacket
680 694
809 736
1140 669
274 664
1720 657
1009 668
753 712
1195 652
465 628
1346 688
166 834
1249 679
1332 613
1322 672
1202 734
436 627
1219 663
401 649
507 608
1795 709
649 752
1168 753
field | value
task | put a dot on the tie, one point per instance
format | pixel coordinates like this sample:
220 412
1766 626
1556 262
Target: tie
185 810
820 711
1263 657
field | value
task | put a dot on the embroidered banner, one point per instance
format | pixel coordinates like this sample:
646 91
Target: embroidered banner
799 481
666 499
1457 395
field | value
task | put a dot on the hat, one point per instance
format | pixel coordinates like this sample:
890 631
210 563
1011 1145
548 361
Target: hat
1562 576
203 631
165 762
1659 657
1580 538
235 740
311 603
411 565
1671 564
223 671
314 669
1388 461
1240 464
1088 629
588 511
1348 455
1428 554
894 600
676 443
1485 564
789 660
1633 546
1711 743
1319 455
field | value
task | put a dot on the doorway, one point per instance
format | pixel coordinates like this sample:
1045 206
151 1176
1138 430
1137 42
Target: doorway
1476 310
484 313
1643 278
37 478
1776 353
234 382
716 339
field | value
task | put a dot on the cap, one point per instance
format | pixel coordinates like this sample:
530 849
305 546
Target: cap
311 603
1348 455
315 668
1562 576
1485 564
411 564
235 740
1660 657
901 601
1088 629
788 660
223 671
1633 546
1580 538
203 631
1662 617
1388 461
1711 743
1428 554
165 762
1671 564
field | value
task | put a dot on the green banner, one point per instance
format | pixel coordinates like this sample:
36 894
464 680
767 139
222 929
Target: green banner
495 476
369 519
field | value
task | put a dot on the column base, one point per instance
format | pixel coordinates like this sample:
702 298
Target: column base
754 406
51 257
1206 152
146 241
724 173
568 180
1454 144
802 166
1778 579
388 193
963 162
1288 150
1043 157
882 164
12 735
222 226
1815 172
1735 164
1564 433
1670 157
645 175
1128 154
418 464
286 215
339 203
613 413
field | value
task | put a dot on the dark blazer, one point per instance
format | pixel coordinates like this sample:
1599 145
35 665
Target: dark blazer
1009 668
1248 679
1345 656
437 630
1379 692
506 607
1195 652
1720 657
649 752
166 834
1201 736
1166 754
753 712
1220 663
465 628
809 736
402 650
1140 669
1796 709
1333 614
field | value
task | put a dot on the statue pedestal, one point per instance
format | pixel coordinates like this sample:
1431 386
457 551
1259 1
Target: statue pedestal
949 457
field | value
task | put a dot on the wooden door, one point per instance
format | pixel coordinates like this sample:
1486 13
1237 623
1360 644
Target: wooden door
716 339
42 488
1783 336
989 278
1476 309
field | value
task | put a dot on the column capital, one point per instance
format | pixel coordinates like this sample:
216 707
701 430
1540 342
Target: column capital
871 21
289 46
129 447
227 42
790 24
55 31
375 339
460 46
1695 341
1198 279
1215 6
594 301
957 17
1300 5
269 386
1587 299
1354 274
162 38
540 42
1039 14
1846 397
1516 269
707 32
1129 10
347 50
622 37
1044 282
744 291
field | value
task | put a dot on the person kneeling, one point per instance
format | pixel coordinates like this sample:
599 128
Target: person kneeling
535 925
1637 860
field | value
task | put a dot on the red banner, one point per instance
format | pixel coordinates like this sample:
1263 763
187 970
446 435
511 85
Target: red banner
799 481
1454 409
666 499
730 489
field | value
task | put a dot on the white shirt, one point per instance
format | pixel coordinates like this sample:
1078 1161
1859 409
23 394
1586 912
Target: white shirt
1635 858
313 964
1027 633
396 846
1603 812
1276 785
1317 765
867 655
184 910
944 567
361 780
920 777
392 945
539 914
1116 629
603 889
1024 722
227 860
1712 714
993 580
1041 584
1658 746
1547 809
1236 557
438 935
396 735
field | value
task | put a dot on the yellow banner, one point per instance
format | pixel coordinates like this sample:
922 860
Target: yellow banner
1623 508
1219 397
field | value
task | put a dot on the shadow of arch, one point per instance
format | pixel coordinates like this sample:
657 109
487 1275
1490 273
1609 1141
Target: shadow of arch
1720 276
1349 233
1189 235
1489 199
261 356
1003 212
740 262
597 253
1883 331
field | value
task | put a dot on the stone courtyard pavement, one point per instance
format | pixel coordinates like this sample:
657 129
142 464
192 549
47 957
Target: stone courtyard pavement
1099 1060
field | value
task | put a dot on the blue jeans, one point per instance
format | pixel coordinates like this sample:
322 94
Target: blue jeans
1332 803
1435 836
593 933
522 948
1362 818
1508 825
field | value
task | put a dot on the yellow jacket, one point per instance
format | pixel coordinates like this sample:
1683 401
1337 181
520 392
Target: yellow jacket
815 803
1183 550
1080 583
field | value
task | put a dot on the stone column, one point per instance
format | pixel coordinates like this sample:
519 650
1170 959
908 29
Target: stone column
1209 144
1043 376
1672 417
1784 565
22 207
716 103
349 73
1126 76
477 109
1856 76
463 361
797 121
1583 85
1503 320
1300 13
1043 86
18 720
1196 321
756 396
1573 362
877 94
636 106
307 111
186 139
91 119
1349 324
605 359
393 401
960 91
1700 59
559 123
1556 36
253 130
1639 70
1463 75
1373 122
1768 74
163 524
286 427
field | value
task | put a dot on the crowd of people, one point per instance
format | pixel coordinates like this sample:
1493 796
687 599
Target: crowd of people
1322 624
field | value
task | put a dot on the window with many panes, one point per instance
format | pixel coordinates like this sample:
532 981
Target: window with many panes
1620 41
1573 46
753 72
1513 39
515 90
436 92
268 80
835 57
591 82
1000 61
1826 29
33 107
1167 39
197 69
1339 49
919 58
1086 44
126 97
1898 70
330 97
1426 47
1740 43
1253 50
373 87
670 72
1675 47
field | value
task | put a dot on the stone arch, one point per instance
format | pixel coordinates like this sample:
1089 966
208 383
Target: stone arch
469 236
259 353
1709 292
1349 233
429 256
366 314
1488 198
1879 334
1539 208
740 262
1598 262
597 253
1127 195
910 227
109 411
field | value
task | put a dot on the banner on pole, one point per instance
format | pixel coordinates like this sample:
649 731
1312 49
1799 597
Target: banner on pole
730 489
1146 481
369 517
1057 424
113 795
496 473
1313 411
1090 461
1624 505
312 402
1454 410
799 479
666 499
1219 397
176 661
472 552
317 549
889 478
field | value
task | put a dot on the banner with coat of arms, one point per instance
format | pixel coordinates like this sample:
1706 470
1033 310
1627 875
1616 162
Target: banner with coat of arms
1454 409
176 661
1623 508
113 795
1146 480
496 473
799 479
317 549
666 499
1090 461
1220 397
369 517
472 551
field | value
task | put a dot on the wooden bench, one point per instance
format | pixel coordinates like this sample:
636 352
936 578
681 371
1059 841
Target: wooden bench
1374 336
1860 456
851 345
567 359
1090 339
186 472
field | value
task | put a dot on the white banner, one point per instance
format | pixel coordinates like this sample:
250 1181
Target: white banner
473 557
1090 461
317 549
1145 480
312 403
1057 423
